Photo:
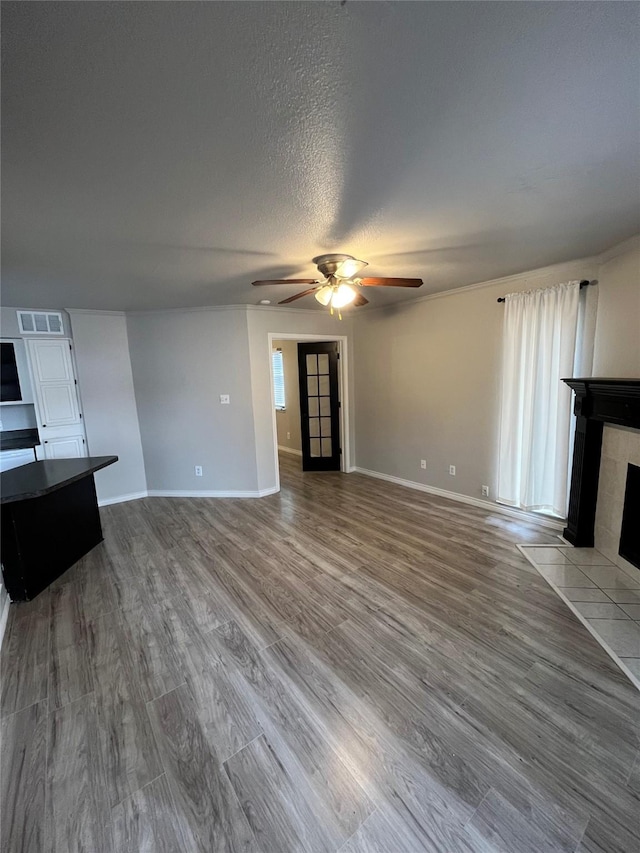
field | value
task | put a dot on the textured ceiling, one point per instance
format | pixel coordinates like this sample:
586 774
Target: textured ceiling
166 154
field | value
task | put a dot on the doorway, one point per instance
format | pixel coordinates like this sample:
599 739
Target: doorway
319 405
315 397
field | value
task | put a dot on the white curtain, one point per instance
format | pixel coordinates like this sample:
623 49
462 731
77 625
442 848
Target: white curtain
539 346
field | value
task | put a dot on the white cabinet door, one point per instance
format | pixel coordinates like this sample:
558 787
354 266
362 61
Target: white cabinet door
51 361
58 404
64 447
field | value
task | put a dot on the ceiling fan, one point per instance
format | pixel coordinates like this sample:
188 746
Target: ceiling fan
341 283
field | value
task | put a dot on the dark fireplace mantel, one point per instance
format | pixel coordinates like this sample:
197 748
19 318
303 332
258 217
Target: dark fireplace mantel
598 402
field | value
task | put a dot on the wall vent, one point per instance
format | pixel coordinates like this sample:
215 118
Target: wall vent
40 322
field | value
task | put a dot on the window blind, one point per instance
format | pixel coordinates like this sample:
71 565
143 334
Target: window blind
278 378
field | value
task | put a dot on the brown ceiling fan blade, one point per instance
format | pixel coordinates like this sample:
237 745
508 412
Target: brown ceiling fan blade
270 281
298 295
391 282
360 300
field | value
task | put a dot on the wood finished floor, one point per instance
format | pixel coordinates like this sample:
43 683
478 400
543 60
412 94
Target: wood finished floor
347 665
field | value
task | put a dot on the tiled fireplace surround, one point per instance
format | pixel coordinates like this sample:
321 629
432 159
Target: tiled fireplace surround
600 586
620 446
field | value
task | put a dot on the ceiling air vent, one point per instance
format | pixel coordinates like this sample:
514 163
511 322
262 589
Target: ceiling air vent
40 322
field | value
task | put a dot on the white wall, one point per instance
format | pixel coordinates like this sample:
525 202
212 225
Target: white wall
617 345
288 421
108 401
261 322
427 379
182 361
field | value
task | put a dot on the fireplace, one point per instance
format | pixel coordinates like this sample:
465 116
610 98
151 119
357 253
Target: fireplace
630 530
598 402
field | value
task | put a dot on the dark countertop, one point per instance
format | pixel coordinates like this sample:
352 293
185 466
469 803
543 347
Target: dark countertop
41 478
18 439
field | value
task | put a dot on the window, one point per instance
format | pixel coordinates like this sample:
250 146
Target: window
278 379
539 350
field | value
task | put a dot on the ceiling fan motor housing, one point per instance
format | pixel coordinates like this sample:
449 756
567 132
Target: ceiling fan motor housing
328 264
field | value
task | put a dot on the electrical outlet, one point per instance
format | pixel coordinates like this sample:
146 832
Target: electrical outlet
198 470
452 470
288 435
485 491
225 399
423 463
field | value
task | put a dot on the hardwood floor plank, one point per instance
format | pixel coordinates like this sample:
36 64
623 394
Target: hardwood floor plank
24 658
498 823
129 753
634 776
605 836
153 660
146 822
23 737
210 816
78 813
279 816
256 616
425 735
227 718
384 768
311 623
327 781
70 673
386 831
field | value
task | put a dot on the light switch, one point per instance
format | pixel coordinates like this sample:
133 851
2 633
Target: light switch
225 399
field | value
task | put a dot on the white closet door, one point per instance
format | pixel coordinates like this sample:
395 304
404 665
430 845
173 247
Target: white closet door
64 447
51 361
55 383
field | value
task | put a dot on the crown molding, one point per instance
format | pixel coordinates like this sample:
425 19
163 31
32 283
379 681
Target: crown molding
315 311
504 281
620 249
107 312
214 308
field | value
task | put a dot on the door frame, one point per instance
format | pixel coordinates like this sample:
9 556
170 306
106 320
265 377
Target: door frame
343 385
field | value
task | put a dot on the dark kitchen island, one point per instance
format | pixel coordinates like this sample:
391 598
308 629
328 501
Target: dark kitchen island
50 519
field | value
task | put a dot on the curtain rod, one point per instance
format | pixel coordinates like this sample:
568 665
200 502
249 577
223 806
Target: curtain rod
584 283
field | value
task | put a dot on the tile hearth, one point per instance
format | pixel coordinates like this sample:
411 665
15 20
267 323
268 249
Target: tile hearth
604 597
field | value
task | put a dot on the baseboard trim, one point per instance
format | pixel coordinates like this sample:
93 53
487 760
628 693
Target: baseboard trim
120 499
181 493
291 450
211 493
465 499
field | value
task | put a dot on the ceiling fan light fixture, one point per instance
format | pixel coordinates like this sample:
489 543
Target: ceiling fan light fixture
324 294
350 267
343 295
